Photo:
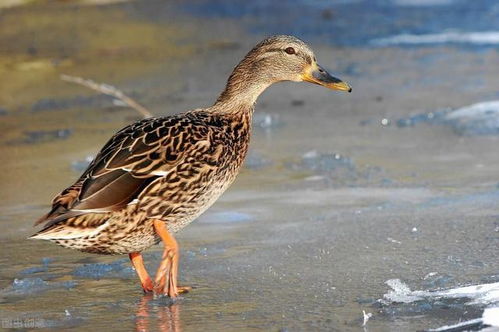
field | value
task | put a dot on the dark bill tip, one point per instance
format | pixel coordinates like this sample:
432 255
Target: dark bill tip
322 77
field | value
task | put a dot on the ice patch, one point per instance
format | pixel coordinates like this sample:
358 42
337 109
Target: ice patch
453 37
475 119
491 316
421 3
393 240
338 170
434 281
483 294
226 217
325 162
488 323
475 110
267 121
255 161
104 270
478 110
37 269
463 326
27 286
400 293
34 269
421 302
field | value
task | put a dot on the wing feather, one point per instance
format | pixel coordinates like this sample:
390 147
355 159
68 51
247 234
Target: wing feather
131 160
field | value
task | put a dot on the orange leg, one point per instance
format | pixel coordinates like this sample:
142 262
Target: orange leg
166 277
138 264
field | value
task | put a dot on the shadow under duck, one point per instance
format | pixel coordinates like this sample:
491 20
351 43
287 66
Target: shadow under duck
157 175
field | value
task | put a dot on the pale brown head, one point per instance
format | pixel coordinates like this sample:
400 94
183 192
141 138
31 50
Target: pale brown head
275 59
287 58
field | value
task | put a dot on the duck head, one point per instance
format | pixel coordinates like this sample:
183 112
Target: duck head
275 59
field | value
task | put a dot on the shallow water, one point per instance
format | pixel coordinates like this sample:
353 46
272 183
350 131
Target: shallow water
336 198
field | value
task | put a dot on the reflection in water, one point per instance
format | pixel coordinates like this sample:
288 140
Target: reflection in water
157 315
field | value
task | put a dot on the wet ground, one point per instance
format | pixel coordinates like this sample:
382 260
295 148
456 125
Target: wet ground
340 194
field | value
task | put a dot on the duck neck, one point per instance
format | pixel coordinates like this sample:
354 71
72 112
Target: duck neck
243 87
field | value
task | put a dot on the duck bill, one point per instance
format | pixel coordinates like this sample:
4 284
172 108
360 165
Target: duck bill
317 75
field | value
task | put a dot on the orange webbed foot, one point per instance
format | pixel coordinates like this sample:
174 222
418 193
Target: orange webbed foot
138 264
148 287
166 277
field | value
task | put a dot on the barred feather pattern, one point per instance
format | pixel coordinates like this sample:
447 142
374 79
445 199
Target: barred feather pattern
171 168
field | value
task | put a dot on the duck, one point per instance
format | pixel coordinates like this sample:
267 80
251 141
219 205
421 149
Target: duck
157 175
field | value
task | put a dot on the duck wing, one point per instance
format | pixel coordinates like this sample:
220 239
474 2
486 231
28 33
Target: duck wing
131 160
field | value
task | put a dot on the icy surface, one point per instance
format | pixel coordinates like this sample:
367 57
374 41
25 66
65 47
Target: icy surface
37 269
484 294
256 161
460 37
325 233
267 121
118 269
417 3
400 292
326 162
226 217
27 286
339 170
487 323
394 22
429 117
476 119
491 316
469 325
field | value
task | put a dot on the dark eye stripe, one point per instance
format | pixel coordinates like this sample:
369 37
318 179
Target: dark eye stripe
273 50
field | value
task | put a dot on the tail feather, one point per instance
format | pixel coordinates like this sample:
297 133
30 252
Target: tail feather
60 232
56 211
65 231
69 224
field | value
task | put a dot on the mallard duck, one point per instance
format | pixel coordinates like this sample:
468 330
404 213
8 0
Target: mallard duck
155 176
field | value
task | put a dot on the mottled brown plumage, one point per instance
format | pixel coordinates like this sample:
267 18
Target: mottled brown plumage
168 168
157 175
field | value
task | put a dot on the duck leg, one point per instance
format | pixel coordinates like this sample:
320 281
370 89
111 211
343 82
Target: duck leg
166 277
138 264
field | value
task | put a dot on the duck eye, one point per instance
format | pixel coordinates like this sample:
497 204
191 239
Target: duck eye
290 50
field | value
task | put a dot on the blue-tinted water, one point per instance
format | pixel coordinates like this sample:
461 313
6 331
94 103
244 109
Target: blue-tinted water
364 23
